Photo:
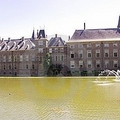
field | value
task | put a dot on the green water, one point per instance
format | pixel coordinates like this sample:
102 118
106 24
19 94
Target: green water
59 98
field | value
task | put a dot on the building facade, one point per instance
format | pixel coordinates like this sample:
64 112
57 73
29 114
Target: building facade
87 52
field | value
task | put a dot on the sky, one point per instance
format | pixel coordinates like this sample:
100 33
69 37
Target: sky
18 18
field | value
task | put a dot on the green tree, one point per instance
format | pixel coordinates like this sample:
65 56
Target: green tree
47 63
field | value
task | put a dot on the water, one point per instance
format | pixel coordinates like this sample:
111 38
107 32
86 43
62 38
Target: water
59 98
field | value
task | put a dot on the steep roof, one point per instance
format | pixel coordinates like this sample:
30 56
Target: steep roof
16 44
96 34
56 41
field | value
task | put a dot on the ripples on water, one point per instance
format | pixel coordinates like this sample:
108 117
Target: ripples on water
59 98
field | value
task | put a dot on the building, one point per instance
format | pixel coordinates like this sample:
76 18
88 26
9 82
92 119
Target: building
93 50
87 52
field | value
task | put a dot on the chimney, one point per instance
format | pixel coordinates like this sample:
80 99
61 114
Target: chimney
23 38
84 26
55 35
9 39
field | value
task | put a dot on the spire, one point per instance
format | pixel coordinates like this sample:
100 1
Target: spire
33 35
118 23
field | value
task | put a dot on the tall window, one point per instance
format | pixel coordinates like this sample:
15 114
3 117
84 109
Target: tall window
80 54
106 53
61 50
50 50
9 58
115 63
89 54
106 63
81 64
72 64
97 53
98 63
115 53
4 58
89 64
27 58
33 57
72 54
21 58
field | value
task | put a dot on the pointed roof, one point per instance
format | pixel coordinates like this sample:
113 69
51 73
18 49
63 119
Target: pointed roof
56 41
41 34
33 35
118 23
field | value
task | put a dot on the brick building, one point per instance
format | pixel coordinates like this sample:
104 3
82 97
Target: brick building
87 52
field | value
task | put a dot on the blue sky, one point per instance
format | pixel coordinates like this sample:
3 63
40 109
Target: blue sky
19 17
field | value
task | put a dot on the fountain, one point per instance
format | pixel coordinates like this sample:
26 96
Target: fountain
108 73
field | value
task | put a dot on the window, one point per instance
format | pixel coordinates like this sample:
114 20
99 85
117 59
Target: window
40 50
62 57
40 43
15 67
14 58
115 53
4 58
80 64
106 53
56 50
10 67
40 58
80 46
27 58
106 45
115 45
50 50
4 67
9 58
71 46
72 54
106 63
98 63
33 67
72 64
115 63
80 54
26 66
89 64
97 53
89 45
61 50
89 54
97 45
33 57
21 58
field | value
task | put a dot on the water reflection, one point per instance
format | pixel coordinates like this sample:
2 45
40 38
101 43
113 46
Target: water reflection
59 98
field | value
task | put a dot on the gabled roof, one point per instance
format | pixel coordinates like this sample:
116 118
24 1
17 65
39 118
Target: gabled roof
16 44
56 41
96 34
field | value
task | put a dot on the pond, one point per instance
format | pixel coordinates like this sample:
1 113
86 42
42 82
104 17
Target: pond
59 98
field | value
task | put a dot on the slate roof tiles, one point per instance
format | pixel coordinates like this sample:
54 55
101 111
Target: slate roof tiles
96 34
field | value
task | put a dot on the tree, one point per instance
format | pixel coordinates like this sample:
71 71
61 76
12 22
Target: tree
47 63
